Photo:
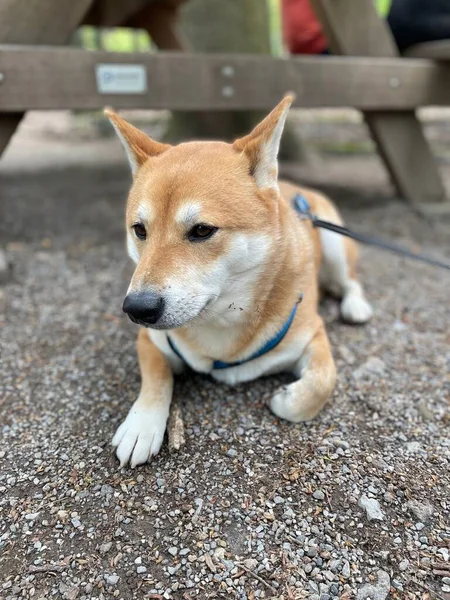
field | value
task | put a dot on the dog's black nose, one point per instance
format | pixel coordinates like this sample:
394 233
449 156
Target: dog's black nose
144 308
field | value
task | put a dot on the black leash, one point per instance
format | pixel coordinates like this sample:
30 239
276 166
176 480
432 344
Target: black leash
301 205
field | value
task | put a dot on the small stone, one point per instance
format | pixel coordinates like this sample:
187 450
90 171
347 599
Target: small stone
375 591
346 354
278 500
404 565
445 553
420 526
250 563
346 570
31 516
173 550
231 452
413 447
111 579
104 548
421 510
141 569
372 366
319 495
138 560
446 580
76 522
372 508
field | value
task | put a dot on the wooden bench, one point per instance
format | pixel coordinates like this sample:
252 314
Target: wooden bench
367 73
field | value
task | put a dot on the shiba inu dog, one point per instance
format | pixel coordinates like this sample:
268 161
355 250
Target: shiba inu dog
222 260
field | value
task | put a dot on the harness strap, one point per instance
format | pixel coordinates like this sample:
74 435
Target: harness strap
268 346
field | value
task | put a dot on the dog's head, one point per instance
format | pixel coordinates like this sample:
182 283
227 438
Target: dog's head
201 223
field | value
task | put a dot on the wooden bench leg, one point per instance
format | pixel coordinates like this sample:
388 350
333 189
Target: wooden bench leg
44 22
353 28
408 158
8 125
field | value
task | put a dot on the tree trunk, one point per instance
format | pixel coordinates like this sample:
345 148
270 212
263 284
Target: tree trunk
226 26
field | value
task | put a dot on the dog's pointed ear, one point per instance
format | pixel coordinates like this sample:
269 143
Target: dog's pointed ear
262 144
138 146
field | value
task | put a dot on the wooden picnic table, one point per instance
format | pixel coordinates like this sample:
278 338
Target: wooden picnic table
38 71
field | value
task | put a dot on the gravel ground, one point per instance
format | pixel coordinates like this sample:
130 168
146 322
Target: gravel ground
352 505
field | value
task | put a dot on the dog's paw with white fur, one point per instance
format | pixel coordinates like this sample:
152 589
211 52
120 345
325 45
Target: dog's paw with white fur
356 309
141 435
294 404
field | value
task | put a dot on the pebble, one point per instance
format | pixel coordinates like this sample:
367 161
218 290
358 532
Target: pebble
372 366
104 548
250 563
141 569
319 495
231 452
414 447
346 569
375 591
421 510
372 508
111 579
404 564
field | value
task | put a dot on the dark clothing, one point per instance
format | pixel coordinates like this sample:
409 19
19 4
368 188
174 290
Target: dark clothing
416 21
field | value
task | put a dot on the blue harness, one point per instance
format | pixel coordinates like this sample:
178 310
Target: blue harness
302 207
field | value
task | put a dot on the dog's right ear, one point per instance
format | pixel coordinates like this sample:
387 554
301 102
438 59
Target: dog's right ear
138 146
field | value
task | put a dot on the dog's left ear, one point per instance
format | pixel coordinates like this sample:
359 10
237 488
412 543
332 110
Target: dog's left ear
138 146
262 144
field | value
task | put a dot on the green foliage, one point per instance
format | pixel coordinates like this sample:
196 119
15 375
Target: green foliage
118 39
383 7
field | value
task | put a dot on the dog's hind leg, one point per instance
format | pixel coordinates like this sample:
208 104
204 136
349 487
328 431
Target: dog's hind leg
338 276
303 399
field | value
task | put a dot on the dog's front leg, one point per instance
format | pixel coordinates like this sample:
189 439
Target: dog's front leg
141 434
303 399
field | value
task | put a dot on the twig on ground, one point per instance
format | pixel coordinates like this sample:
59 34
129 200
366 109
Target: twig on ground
428 589
176 427
46 568
260 579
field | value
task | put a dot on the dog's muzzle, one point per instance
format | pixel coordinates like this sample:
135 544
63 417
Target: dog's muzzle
144 308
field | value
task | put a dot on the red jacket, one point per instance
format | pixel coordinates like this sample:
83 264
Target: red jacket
302 31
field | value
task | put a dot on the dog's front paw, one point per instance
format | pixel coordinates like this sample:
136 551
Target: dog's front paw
295 403
141 434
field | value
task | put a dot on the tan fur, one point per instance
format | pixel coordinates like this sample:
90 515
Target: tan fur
221 180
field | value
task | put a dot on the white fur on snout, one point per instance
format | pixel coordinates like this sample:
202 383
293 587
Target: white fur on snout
141 434
132 247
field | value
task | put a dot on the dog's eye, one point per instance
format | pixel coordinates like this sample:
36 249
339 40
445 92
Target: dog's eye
140 231
201 232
